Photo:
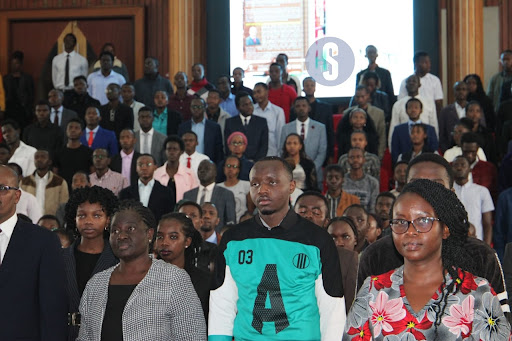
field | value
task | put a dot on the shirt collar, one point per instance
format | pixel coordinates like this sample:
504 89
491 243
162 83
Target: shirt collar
290 220
123 154
306 122
149 133
163 114
209 188
45 177
8 225
195 124
242 117
95 130
150 184
411 123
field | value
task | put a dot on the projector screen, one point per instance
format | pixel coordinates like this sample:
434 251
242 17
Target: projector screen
261 29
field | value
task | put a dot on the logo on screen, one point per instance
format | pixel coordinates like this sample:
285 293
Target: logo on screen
330 61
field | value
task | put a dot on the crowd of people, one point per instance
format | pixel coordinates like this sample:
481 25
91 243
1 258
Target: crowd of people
392 221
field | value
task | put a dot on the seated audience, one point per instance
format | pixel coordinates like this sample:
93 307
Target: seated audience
358 183
359 216
255 128
95 136
476 199
371 161
141 280
401 139
78 99
128 95
437 216
103 175
208 191
21 153
147 86
99 80
49 189
191 158
178 243
180 100
237 145
148 140
240 188
304 172
173 174
126 161
43 134
88 215
450 115
74 156
477 93
338 200
362 101
115 115
419 140
150 192
462 127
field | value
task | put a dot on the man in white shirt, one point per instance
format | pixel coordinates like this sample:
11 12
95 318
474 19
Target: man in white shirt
399 114
430 85
68 65
191 158
22 154
149 141
476 199
274 116
59 115
99 80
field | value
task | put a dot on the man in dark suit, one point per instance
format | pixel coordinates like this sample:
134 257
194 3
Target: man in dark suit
149 141
126 161
95 136
209 135
208 191
115 115
255 128
320 112
449 115
151 193
33 301
59 115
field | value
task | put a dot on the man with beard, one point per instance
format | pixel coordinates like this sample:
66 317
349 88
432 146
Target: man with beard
280 255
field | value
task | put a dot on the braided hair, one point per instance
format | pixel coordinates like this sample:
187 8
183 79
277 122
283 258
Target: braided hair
188 229
452 213
95 194
143 212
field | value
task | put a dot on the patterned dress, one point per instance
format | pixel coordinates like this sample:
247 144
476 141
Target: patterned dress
382 311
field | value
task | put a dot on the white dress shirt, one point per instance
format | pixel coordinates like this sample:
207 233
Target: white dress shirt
461 111
208 190
299 127
477 200
195 160
97 84
430 88
145 191
41 188
7 228
78 66
24 157
143 137
275 122
245 119
57 112
29 206
455 151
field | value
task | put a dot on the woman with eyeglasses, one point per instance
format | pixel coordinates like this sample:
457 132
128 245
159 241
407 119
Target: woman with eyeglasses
434 295
88 214
240 188
140 298
236 145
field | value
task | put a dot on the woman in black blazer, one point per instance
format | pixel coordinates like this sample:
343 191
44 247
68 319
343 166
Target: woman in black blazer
88 214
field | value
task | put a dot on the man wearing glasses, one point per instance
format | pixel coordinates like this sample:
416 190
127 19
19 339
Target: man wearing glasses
104 176
31 273
151 193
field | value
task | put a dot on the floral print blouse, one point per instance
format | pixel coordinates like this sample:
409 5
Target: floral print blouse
381 311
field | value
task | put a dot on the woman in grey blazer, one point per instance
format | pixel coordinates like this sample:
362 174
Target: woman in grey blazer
141 298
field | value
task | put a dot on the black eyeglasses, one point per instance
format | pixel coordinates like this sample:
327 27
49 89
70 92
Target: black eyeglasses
147 164
197 106
421 224
4 189
231 166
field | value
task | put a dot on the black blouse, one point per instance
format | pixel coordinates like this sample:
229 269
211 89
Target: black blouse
112 328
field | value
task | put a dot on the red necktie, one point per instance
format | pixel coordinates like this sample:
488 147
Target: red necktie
91 138
302 132
188 162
